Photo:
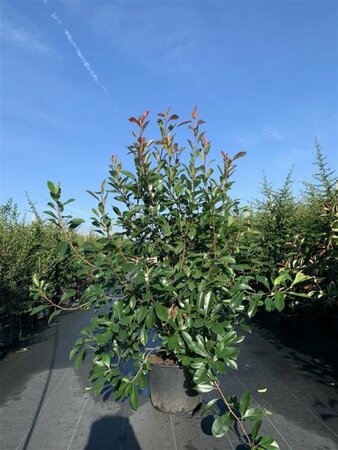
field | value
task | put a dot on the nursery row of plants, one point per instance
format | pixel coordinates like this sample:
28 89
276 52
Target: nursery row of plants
300 233
285 231
27 247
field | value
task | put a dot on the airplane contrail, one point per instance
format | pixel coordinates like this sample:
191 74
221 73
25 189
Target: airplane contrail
78 52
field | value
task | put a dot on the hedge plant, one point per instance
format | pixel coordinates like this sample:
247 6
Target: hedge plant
163 275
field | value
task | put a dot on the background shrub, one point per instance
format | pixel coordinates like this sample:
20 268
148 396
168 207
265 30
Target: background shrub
27 248
300 233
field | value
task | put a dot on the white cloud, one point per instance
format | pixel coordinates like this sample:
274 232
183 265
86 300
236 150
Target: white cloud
23 36
254 137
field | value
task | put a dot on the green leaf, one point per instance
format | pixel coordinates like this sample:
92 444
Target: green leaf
236 300
78 359
105 359
54 314
255 429
221 425
281 278
204 388
188 339
162 312
50 213
74 223
252 309
191 285
208 406
140 313
300 277
244 403
134 397
191 233
132 302
269 304
51 187
141 380
143 336
263 280
253 414
70 200
206 300
268 443
73 351
245 327
35 279
195 347
298 294
179 248
199 349
37 309
231 363
217 328
61 249
128 174
229 352
279 300
68 293
150 318
200 375
230 337
172 342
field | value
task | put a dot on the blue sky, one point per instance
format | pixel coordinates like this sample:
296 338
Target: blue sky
263 74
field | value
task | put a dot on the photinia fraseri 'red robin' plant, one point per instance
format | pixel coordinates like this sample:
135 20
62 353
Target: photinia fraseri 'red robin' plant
172 260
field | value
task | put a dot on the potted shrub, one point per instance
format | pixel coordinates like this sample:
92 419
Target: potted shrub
163 278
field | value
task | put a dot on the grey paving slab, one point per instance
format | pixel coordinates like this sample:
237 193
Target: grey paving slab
21 413
59 417
100 425
192 434
314 390
292 398
152 430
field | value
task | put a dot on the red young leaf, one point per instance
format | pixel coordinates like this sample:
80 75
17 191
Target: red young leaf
143 117
200 122
239 155
132 119
164 113
185 122
194 113
174 117
225 157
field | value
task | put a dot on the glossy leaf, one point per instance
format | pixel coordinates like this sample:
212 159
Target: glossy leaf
221 425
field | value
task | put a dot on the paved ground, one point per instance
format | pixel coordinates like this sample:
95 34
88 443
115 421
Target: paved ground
44 406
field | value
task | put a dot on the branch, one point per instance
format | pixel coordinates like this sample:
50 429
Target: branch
44 295
238 420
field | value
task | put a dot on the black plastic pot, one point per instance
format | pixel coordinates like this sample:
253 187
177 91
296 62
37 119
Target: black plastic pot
172 389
